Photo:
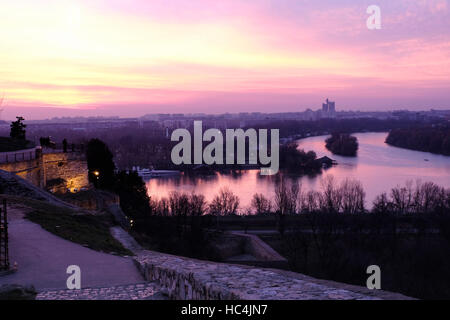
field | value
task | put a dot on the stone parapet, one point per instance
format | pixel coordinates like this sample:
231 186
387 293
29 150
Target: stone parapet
191 279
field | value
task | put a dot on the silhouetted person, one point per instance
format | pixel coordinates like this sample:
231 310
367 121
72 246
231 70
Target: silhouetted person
64 146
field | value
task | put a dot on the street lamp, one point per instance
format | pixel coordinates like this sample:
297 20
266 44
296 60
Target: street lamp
97 175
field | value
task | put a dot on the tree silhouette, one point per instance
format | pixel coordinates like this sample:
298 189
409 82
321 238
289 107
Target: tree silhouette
342 144
132 191
18 129
100 164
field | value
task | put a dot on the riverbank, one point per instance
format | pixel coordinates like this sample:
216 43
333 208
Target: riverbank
434 139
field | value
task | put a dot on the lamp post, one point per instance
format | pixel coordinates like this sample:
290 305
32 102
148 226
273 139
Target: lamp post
96 173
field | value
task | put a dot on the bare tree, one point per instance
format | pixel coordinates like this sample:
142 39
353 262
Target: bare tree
286 197
428 197
331 198
311 201
402 198
294 194
261 204
164 207
425 197
281 197
197 204
382 204
179 204
352 196
225 203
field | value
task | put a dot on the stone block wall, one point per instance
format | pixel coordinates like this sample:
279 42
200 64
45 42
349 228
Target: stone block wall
265 256
29 170
41 168
248 249
71 167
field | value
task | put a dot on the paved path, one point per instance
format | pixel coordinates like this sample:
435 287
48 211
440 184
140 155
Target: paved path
140 291
43 259
126 239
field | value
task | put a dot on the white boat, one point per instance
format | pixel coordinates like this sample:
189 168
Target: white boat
150 173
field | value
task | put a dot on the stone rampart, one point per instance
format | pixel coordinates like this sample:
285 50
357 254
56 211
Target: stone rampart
191 279
40 168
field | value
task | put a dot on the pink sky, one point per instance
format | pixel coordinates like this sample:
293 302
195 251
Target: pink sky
128 58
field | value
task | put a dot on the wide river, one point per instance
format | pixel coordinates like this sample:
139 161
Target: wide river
378 166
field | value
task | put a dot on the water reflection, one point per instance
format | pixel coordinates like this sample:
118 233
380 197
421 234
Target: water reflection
378 166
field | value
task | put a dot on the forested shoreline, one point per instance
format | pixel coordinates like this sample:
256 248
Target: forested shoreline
428 139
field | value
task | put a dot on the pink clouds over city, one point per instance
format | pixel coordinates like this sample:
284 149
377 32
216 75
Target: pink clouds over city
128 58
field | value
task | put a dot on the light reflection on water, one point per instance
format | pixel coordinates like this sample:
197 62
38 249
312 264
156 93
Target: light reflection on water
378 166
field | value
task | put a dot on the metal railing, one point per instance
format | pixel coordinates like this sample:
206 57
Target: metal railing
17 156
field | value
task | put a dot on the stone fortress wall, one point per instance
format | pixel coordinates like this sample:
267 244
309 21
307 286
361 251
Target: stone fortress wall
190 279
29 170
72 167
40 168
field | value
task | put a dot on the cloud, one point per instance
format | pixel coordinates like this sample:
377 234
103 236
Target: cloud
98 53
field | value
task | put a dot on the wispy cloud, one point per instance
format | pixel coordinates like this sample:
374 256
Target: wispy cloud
176 53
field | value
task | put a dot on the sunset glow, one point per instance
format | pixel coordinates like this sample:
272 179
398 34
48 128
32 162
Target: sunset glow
134 57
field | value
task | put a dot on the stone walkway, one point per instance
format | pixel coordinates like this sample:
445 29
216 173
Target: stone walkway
185 278
140 291
126 239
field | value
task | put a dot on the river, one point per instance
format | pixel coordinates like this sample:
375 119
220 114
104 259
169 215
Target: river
378 166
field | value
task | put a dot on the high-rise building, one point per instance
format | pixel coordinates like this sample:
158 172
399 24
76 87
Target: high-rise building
328 108
331 106
325 106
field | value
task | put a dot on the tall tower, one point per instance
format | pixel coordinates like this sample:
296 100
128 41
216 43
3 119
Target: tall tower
331 106
328 108
325 106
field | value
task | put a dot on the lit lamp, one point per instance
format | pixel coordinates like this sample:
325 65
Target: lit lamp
96 174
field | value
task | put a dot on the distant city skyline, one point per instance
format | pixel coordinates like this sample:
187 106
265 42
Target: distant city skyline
45 113
130 58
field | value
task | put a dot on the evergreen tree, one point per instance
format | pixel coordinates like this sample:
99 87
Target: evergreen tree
18 129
